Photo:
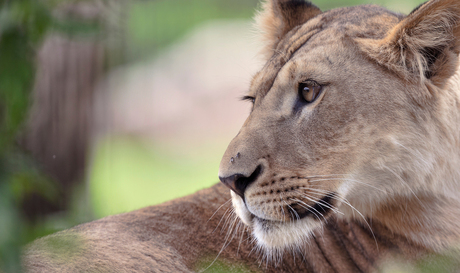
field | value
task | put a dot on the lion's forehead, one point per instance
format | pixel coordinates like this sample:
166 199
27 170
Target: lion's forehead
367 21
331 27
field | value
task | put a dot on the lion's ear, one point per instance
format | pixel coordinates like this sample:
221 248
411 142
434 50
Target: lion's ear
278 17
424 46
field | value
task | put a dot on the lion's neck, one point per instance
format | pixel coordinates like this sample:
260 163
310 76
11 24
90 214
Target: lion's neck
429 216
429 221
445 175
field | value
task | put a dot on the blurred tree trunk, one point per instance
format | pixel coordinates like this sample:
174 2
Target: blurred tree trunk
59 126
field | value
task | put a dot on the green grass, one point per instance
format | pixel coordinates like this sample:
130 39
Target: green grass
209 264
126 174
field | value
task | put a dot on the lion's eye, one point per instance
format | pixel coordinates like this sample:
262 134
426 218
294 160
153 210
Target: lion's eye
249 98
309 90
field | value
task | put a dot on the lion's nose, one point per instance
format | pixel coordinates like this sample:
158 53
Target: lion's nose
239 182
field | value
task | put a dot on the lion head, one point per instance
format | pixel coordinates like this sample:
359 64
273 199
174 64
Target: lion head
355 114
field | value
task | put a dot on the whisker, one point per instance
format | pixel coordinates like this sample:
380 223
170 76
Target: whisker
231 227
403 182
226 242
228 220
346 179
281 206
292 210
241 237
221 218
416 153
321 202
345 201
324 175
321 193
291 218
367 223
301 203
218 209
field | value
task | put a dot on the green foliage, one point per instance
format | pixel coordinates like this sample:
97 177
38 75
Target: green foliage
23 25
152 25
17 35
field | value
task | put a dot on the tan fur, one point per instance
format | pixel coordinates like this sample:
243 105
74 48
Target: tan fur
382 141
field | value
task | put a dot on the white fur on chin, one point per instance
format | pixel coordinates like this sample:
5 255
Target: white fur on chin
275 235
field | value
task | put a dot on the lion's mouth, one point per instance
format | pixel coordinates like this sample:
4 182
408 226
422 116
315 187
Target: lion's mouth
273 234
299 209
279 233
318 211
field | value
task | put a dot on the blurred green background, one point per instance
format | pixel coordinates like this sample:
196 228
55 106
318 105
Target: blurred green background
129 156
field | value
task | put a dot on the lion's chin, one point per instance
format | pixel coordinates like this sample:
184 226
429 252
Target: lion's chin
275 235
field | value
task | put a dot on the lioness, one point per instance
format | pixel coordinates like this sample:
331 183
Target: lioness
350 157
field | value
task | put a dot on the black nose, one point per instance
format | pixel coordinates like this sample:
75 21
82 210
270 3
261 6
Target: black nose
238 182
